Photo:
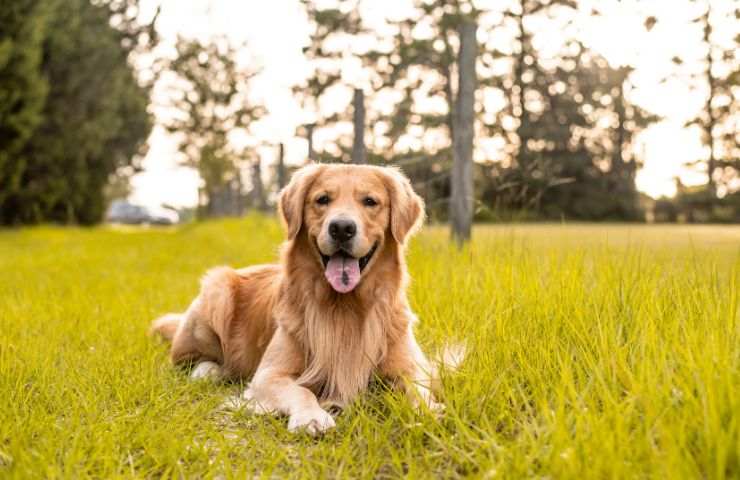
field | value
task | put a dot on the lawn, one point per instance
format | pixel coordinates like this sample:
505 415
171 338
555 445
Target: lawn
594 351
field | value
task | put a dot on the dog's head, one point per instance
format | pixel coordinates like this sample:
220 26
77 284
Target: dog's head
348 214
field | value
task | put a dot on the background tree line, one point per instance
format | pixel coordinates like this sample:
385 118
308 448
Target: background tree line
486 120
72 111
562 122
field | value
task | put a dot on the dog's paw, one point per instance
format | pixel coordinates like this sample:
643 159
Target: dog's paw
314 421
252 405
206 370
423 401
233 404
247 403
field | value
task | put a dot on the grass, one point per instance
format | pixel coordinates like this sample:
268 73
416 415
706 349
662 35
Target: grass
594 351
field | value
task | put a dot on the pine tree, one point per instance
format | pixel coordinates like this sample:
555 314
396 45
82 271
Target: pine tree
94 119
717 120
564 164
554 160
331 26
23 88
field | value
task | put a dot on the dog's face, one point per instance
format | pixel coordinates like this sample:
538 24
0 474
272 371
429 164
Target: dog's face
346 218
348 214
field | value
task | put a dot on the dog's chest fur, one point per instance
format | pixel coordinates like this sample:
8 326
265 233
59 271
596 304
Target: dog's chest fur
341 351
344 337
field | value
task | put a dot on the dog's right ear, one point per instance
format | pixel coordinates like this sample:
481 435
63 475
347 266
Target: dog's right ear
292 198
407 208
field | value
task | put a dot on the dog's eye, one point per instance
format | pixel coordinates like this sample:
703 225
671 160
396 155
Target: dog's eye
369 202
323 200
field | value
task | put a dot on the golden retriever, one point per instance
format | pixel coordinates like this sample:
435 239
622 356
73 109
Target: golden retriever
313 329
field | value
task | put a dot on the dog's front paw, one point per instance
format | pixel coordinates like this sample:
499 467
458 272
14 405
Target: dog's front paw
248 400
314 421
423 400
206 370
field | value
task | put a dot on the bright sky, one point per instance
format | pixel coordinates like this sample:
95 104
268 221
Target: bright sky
276 31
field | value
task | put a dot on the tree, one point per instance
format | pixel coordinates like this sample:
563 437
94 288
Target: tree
281 174
359 154
538 117
717 120
94 119
570 121
397 67
715 73
553 157
212 96
23 87
259 198
331 26
595 155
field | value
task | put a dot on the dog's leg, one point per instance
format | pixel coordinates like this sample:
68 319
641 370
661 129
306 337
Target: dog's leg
166 326
407 366
194 340
274 389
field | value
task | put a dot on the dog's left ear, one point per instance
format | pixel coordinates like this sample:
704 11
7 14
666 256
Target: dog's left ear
407 208
293 196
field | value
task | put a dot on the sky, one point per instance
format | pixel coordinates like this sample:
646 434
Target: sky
276 31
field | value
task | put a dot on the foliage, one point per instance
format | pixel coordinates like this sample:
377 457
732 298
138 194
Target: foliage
23 87
573 166
557 159
593 352
718 76
699 204
212 100
328 24
94 119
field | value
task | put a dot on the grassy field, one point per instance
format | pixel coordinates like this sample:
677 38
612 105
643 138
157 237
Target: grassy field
595 351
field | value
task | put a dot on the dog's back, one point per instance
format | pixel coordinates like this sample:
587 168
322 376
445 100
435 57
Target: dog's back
230 323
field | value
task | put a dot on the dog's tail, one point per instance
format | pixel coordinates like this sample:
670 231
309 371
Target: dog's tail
166 326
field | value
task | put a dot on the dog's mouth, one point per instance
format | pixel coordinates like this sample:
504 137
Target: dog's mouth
343 271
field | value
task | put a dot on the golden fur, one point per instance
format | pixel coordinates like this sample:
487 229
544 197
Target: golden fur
286 327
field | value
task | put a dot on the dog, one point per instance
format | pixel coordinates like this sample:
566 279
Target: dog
315 328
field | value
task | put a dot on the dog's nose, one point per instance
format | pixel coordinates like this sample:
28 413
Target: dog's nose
342 230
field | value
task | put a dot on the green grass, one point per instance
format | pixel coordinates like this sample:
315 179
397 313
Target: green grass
595 351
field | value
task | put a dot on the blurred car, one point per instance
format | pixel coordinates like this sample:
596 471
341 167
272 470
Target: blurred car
122 211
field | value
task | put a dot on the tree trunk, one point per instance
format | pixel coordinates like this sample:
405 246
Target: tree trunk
523 130
238 192
618 153
447 74
461 203
258 191
359 155
450 101
309 137
711 119
281 174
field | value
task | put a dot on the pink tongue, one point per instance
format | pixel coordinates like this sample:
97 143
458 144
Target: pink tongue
343 272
